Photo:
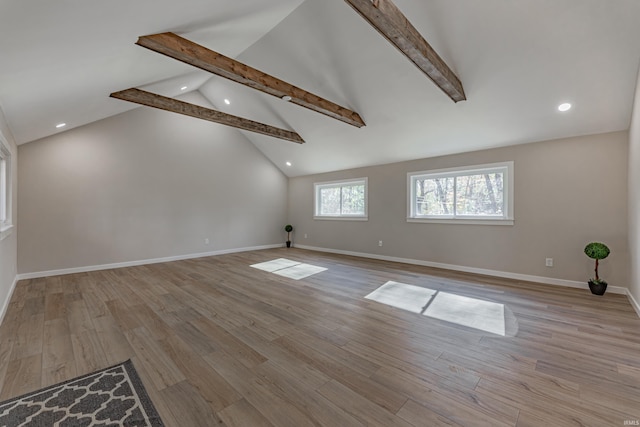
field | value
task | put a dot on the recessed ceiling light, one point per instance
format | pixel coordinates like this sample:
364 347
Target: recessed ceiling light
61 125
288 163
286 98
226 101
564 107
183 88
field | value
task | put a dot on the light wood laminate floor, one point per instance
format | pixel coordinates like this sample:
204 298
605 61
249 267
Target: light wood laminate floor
217 342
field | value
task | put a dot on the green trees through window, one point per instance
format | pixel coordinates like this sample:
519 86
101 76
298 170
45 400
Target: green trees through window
480 194
477 192
341 199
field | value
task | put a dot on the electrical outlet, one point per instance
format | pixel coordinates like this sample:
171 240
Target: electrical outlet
305 235
206 241
548 262
379 242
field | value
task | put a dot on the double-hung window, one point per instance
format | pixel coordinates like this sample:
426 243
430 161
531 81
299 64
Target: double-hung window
341 199
5 188
481 194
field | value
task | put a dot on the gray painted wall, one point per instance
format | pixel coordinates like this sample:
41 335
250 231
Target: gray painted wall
634 197
148 184
8 246
142 185
568 192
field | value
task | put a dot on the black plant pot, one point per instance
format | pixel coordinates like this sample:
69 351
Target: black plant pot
597 288
289 245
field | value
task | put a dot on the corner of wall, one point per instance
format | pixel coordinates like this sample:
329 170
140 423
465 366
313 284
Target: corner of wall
634 200
9 245
5 304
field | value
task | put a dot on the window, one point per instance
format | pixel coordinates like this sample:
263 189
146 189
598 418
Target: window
480 194
5 188
341 199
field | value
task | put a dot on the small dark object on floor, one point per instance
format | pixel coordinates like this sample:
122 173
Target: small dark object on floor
598 288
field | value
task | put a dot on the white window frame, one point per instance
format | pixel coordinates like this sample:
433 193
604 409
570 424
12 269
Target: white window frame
507 217
317 186
6 224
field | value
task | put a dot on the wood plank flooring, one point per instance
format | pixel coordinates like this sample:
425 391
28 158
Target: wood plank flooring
217 342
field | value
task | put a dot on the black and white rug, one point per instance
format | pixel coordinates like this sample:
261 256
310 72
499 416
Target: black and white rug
110 397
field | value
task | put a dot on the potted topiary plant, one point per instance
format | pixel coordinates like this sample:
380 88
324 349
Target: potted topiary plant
597 251
288 228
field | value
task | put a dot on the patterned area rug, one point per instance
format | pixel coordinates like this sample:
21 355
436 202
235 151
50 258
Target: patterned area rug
111 397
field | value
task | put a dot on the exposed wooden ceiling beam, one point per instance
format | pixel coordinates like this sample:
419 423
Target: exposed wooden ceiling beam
149 99
184 50
385 17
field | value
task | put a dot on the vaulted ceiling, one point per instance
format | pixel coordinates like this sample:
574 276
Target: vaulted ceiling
517 61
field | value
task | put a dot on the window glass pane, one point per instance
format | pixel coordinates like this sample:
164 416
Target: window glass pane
330 201
480 194
3 191
345 199
434 196
353 200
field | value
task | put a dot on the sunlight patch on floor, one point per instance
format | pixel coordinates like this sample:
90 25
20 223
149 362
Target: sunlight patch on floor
276 264
400 295
300 271
472 312
288 268
475 313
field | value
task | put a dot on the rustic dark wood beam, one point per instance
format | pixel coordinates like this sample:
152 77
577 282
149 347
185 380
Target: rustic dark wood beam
385 17
149 99
184 50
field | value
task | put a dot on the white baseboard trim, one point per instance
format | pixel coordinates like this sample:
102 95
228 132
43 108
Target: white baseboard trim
495 273
39 274
5 304
634 303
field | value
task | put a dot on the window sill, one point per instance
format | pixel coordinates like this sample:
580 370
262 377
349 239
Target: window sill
6 231
463 221
342 218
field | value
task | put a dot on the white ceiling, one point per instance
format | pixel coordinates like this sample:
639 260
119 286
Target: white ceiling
517 62
60 60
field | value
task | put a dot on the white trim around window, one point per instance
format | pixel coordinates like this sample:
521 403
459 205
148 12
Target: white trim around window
5 188
341 200
437 196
